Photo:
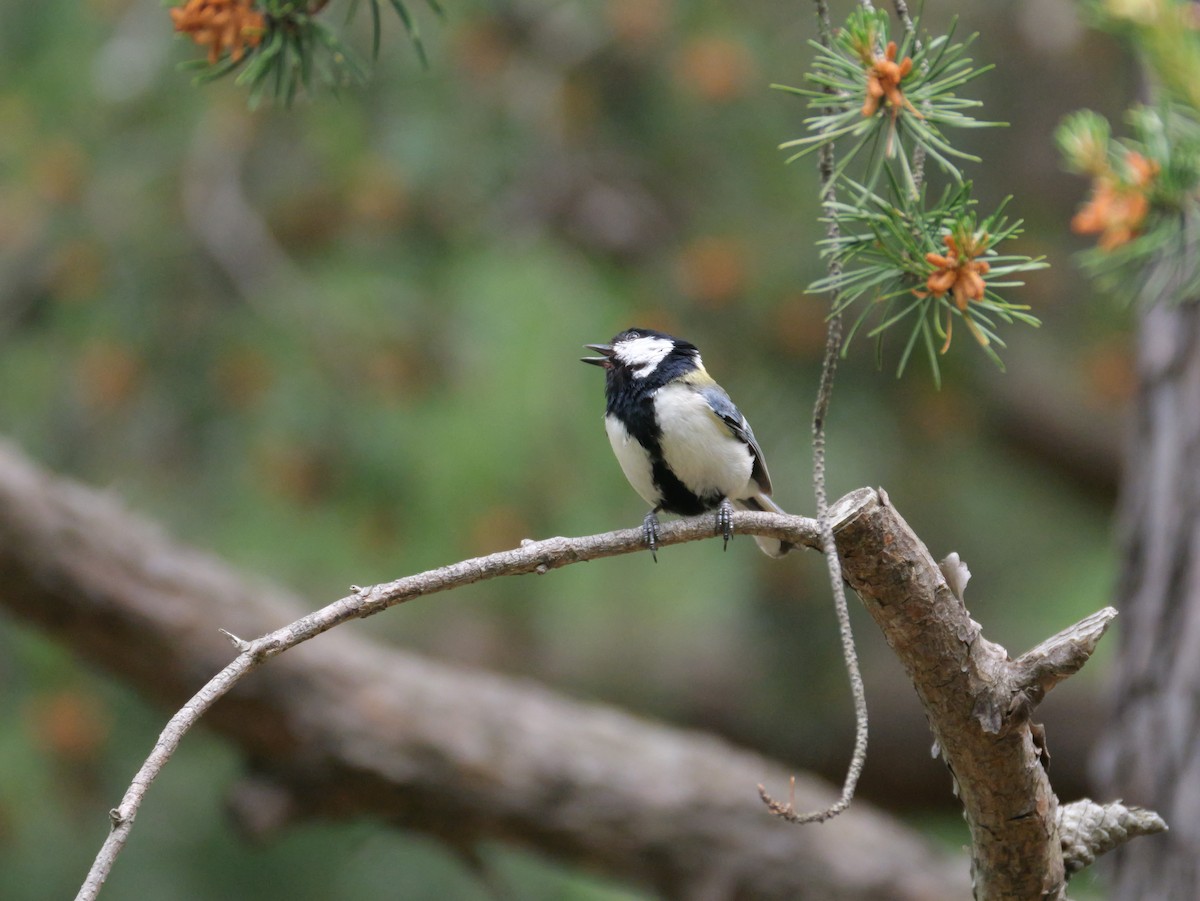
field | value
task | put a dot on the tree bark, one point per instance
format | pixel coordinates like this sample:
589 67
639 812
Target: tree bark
1151 754
343 727
977 699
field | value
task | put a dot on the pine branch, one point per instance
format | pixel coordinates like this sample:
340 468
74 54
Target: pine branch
279 47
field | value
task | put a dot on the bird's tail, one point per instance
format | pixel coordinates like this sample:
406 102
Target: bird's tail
772 547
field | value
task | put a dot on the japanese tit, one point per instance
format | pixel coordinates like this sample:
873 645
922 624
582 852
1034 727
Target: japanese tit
681 442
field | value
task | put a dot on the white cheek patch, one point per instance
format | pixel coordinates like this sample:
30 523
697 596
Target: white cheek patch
642 355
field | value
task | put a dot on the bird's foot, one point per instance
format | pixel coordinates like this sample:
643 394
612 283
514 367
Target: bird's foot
725 521
650 533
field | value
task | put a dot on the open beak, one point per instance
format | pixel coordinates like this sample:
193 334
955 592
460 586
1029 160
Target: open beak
605 358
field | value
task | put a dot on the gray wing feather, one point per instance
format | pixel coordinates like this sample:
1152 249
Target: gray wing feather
723 406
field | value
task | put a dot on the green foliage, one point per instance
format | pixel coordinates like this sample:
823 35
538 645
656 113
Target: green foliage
1164 34
842 75
1084 138
884 256
1145 186
1144 200
911 265
298 51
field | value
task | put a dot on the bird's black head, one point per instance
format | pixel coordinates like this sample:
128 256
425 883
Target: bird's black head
642 353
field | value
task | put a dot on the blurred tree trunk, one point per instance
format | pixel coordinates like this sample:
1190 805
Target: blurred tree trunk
1151 755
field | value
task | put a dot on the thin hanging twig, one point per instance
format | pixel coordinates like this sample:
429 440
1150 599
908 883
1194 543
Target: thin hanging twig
833 346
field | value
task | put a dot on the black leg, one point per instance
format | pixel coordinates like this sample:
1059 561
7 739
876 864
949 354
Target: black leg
650 532
725 521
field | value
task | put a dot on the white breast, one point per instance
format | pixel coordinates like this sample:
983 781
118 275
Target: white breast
635 462
699 447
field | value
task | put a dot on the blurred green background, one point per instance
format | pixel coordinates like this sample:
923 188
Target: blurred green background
338 344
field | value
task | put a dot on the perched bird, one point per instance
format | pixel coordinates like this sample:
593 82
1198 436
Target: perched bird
681 442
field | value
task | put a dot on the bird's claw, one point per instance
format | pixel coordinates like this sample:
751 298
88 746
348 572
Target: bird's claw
650 533
725 521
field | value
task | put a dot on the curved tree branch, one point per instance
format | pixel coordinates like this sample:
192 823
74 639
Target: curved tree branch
344 727
533 556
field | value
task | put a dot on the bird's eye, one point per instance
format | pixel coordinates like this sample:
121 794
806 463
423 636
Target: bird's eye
635 335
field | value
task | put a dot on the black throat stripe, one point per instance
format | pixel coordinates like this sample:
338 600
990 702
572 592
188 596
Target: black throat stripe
632 402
